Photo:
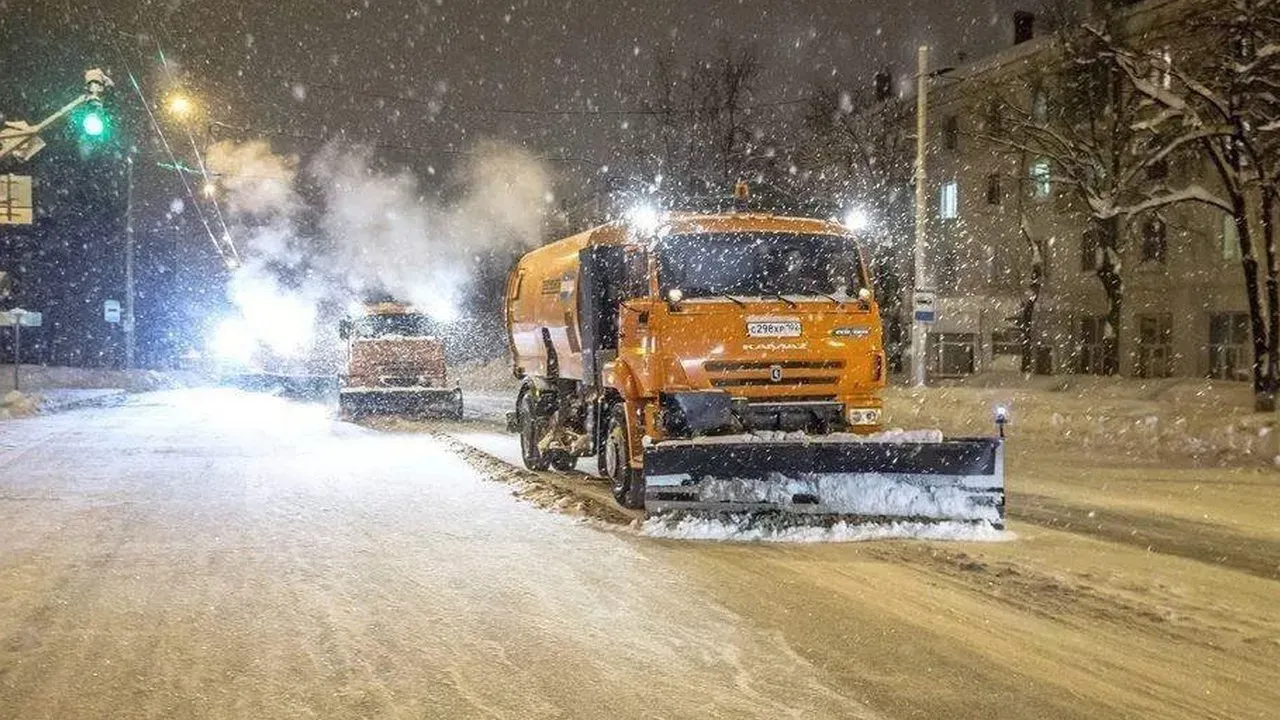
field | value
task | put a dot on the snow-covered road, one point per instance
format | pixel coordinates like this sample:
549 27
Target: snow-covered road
211 553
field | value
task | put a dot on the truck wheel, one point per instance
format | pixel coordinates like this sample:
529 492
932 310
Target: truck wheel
530 433
627 483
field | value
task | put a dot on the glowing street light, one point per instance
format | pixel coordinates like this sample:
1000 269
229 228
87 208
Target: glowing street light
856 220
181 106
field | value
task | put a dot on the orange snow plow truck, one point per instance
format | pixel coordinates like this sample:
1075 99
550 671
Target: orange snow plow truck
727 363
394 365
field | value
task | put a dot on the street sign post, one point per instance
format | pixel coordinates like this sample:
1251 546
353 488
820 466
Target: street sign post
925 306
17 319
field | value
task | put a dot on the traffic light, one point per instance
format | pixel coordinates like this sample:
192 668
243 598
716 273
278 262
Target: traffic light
93 121
93 124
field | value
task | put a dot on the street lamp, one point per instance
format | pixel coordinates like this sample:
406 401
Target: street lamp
180 106
856 220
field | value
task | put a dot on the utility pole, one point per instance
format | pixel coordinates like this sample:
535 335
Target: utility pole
128 264
919 330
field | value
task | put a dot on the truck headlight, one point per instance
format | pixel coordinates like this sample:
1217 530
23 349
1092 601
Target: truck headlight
864 416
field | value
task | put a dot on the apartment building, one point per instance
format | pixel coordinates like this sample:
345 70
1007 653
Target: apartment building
1184 312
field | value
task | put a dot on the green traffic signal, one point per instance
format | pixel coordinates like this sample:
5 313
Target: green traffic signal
93 124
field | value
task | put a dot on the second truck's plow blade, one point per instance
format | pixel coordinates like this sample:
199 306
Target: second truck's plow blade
405 402
959 479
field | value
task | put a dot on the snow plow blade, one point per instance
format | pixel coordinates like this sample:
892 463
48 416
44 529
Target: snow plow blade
406 402
827 481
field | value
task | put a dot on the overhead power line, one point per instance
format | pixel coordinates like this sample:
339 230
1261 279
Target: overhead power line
164 141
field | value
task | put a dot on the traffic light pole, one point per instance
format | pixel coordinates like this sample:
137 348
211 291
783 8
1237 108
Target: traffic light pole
919 330
129 344
17 351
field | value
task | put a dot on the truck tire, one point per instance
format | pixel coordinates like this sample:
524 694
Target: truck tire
530 433
626 482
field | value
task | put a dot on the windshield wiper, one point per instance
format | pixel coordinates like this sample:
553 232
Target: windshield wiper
735 300
790 303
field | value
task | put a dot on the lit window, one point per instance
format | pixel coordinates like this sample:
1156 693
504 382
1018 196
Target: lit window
1041 179
1230 240
949 201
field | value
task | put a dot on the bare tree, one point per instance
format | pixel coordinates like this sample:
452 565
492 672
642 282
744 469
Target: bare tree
856 150
704 130
1225 98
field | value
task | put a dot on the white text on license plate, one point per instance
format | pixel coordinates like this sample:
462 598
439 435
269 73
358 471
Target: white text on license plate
774 328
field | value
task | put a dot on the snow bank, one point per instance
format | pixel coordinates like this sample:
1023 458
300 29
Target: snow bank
16 404
1206 421
38 378
739 530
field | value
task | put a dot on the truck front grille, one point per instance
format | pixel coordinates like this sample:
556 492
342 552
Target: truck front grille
768 382
760 373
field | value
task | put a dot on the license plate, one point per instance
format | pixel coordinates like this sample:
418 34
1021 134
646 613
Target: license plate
773 328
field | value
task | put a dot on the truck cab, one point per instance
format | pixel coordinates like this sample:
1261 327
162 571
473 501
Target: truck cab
395 364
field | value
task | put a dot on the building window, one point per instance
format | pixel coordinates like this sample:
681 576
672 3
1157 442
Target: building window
953 353
993 189
1091 332
1154 241
1155 345
1229 346
1229 238
950 132
949 201
1041 179
1006 342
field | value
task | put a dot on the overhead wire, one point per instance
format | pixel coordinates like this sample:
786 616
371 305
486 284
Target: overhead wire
195 149
164 141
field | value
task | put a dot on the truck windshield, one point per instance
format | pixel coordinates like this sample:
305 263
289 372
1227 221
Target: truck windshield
406 325
759 263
